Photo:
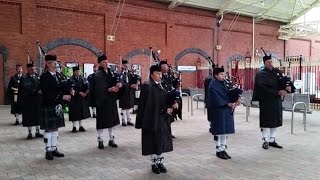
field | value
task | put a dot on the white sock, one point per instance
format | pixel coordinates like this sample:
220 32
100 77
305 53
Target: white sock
218 144
54 140
135 107
17 116
128 115
111 133
80 123
47 136
123 114
74 123
272 134
223 141
93 110
37 129
265 133
153 159
100 132
30 130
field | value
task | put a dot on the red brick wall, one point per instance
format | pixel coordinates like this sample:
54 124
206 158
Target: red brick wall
143 24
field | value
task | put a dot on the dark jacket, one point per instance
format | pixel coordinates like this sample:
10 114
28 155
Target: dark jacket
107 110
126 100
221 115
92 102
31 101
79 106
52 89
15 82
153 119
266 92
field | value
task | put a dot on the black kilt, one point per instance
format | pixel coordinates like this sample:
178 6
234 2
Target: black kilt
49 119
16 108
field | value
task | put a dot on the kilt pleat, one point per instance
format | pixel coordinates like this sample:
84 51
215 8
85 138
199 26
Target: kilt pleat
49 119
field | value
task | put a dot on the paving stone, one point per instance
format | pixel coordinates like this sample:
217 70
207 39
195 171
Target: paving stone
193 156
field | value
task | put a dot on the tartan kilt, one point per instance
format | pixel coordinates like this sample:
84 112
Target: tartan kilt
49 119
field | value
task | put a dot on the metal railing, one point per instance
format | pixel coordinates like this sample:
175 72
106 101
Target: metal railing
304 115
196 95
247 108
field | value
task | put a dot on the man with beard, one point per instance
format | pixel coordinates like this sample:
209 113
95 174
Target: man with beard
14 90
154 116
79 104
31 101
105 88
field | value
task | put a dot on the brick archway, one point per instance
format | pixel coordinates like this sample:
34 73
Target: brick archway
137 52
192 50
69 41
5 73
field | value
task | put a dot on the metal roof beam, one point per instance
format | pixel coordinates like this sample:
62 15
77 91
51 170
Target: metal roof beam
267 10
175 3
224 8
301 13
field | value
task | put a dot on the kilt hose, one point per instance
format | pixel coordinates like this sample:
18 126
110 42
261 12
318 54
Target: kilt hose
49 119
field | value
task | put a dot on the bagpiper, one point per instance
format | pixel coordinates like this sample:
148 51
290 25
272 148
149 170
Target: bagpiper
54 92
106 86
14 92
31 100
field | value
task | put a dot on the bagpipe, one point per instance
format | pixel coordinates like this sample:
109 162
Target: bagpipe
234 91
284 80
66 84
174 95
233 88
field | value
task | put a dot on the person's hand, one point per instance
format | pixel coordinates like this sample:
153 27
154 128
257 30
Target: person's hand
288 89
175 106
66 97
169 111
113 89
232 105
282 93
119 85
82 94
238 102
133 86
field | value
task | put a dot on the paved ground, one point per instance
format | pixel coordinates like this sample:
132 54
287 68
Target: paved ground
193 156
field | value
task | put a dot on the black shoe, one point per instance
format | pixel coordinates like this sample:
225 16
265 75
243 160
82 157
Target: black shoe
162 168
124 124
16 123
49 155
74 130
226 154
81 129
129 123
173 136
100 145
112 144
275 145
265 145
38 135
56 153
155 169
221 155
94 115
29 136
